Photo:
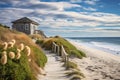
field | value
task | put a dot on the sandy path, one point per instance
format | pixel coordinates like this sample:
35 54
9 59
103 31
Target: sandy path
98 65
53 68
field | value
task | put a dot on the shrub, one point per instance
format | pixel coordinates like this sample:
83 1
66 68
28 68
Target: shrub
47 44
16 69
39 42
25 67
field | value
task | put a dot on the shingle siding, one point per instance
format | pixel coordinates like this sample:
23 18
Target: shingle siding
27 27
22 27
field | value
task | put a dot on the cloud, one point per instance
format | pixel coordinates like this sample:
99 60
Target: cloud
91 2
45 5
55 18
89 9
54 15
75 1
9 14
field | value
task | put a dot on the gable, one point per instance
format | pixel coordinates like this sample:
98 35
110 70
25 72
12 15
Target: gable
25 20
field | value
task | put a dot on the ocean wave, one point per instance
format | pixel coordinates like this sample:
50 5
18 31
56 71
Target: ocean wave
109 46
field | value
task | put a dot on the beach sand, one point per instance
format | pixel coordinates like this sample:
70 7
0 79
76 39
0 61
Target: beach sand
98 65
54 68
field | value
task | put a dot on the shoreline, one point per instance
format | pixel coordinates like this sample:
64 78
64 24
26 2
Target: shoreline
98 65
102 46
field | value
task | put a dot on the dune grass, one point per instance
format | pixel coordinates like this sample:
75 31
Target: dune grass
69 48
15 69
71 65
37 36
21 69
74 72
76 77
41 58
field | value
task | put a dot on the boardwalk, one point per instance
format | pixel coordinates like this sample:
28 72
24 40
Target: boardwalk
53 68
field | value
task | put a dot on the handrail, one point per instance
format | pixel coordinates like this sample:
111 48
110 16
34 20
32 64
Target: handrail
63 51
64 55
55 48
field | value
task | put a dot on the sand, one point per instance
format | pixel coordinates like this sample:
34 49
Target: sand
98 65
54 68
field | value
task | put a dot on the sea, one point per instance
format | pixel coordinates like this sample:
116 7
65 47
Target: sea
107 44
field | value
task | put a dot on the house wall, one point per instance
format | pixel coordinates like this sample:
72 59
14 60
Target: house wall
33 27
22 27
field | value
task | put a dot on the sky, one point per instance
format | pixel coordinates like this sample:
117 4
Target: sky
67 18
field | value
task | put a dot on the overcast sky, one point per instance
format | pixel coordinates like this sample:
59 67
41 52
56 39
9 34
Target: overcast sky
68 18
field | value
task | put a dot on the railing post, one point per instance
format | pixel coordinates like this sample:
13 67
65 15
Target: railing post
64 55
67 59
53 47
61 51
58 50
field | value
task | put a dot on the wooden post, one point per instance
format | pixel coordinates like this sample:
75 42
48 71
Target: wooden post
57 50
61 51
52 47
67 61
64 56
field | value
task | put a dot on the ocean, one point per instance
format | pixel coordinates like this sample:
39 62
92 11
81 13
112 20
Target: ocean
107 44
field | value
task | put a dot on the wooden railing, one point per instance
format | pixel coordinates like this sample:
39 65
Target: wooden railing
64 55
60 51
55 48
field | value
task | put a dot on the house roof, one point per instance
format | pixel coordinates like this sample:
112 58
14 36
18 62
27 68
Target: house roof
25 20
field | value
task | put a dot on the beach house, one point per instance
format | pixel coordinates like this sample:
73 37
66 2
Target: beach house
25 25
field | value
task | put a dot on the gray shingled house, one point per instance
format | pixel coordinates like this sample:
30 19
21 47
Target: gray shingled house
26 25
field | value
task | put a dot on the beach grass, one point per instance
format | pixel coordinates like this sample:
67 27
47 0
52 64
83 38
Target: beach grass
71 65
69 48
74 72
20 69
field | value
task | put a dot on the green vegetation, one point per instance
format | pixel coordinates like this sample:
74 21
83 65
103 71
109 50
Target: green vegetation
69 48
4 26
15 69
76 77
37 36
39 41
71 65
74 72
20 69
41 58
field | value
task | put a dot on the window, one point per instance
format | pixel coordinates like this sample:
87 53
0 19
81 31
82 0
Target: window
26 26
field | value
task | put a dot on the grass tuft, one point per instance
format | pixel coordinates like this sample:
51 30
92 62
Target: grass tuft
75 72
71 65
76 77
